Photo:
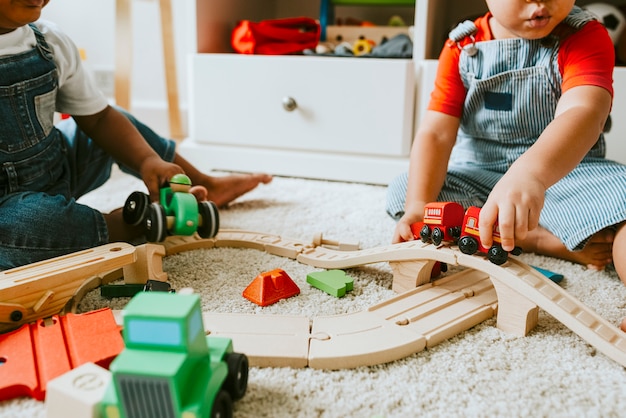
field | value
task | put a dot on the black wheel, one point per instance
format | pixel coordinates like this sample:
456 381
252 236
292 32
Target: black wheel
497 255
516 251
237 380
222 405
136 208
209 219
437 236
425 234
468 245
455 232
156 223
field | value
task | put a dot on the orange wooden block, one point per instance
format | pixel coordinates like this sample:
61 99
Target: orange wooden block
270 287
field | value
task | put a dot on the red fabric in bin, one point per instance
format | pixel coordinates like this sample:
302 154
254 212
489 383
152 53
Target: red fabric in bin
275 37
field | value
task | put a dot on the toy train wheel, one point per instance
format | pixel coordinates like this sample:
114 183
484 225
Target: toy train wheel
222 405
497 255
210 219
136 208
237 380
437 236
425 234
468 245
156 223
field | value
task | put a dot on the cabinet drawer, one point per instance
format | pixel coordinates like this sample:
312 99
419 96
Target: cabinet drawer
342 105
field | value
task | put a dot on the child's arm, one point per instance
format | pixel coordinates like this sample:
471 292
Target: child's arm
517 199
427 168
117 136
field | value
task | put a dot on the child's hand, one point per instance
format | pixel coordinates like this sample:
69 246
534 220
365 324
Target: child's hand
156 172
403 231
515 203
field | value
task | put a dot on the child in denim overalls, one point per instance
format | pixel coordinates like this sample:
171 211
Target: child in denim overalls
44 168
522 136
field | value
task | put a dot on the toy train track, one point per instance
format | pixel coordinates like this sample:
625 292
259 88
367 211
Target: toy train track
42 289
423 314
520 289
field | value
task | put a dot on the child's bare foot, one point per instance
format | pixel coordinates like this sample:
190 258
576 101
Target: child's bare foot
623 326
222 190
596 254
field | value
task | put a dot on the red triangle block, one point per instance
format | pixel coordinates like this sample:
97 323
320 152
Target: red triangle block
270 287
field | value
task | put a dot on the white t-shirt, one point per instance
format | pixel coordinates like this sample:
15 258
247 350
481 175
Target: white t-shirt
77 94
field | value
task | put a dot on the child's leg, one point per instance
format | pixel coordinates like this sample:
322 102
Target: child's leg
596 254
619 252
37 226
91 166
619 257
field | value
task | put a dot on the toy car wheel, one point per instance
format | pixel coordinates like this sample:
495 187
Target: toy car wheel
437 236
136 208
497 255
425 234
156 223
210 219
455 232
237 380
468 245
222 405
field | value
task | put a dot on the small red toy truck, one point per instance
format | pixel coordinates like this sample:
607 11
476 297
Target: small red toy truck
442 222
469 242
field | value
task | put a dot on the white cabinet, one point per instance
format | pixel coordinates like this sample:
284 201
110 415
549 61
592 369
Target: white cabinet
334 118
304 104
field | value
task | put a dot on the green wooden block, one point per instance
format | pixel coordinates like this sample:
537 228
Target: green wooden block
333 282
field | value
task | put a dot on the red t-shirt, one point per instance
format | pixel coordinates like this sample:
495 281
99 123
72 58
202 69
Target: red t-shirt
586 57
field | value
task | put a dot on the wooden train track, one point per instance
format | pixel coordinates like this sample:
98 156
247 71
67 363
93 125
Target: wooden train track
43 289
416 318
423 314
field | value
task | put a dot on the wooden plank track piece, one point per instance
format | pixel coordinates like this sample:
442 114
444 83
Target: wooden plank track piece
27 289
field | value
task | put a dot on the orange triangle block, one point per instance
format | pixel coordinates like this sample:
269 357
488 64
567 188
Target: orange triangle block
270 287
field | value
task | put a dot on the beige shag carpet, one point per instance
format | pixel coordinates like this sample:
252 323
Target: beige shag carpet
479 373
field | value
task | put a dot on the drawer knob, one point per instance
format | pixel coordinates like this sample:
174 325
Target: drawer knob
289 104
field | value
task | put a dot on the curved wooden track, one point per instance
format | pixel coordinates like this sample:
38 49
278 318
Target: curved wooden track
406 324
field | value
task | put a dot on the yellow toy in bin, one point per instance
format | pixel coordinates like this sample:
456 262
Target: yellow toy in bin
363 46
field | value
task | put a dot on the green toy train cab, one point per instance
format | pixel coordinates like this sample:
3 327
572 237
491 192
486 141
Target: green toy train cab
177 213
169 367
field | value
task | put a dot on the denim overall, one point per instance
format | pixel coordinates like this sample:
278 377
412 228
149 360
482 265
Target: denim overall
513 87
44 169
